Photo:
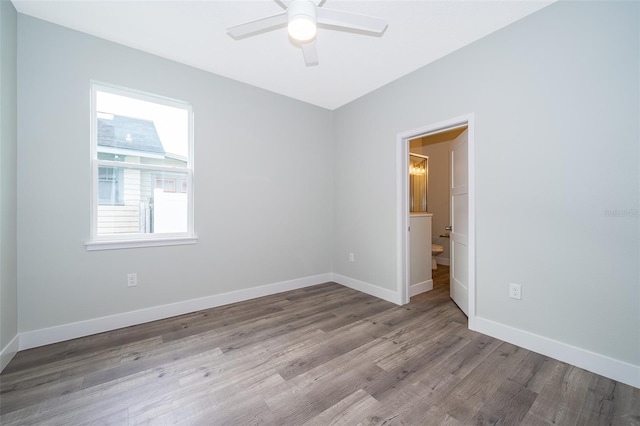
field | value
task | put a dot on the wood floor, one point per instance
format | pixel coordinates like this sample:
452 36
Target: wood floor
318 356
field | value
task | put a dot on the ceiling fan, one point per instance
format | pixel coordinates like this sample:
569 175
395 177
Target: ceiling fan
302 17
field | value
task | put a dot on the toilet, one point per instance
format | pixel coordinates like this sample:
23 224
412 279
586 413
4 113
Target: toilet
436 250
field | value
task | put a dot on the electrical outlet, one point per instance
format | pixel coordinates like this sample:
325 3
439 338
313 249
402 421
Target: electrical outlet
352 257
132 280
515 291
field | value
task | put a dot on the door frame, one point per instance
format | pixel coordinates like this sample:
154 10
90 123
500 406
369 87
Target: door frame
402 202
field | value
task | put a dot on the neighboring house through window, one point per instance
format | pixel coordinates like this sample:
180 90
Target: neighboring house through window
142 149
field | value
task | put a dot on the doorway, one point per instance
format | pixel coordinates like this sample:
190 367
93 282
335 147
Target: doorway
464 254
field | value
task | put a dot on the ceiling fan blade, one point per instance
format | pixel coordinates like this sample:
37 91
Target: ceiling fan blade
249 28
351 20
310 53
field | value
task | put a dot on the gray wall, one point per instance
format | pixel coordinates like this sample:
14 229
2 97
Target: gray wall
250 144
8 147
556 104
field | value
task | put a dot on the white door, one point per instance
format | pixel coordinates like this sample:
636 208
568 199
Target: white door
459 260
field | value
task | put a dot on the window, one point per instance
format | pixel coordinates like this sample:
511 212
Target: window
110 186
141 150
166 184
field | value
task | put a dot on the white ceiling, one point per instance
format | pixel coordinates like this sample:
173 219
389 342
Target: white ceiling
350 64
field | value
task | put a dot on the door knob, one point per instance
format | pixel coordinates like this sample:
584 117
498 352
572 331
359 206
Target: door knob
448 228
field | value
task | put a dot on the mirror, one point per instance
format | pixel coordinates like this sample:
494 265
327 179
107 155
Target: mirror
418 181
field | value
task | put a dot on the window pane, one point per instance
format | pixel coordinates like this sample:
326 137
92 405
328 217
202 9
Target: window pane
141 132
150 204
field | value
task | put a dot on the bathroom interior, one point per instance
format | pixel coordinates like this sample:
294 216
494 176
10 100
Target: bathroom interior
429 207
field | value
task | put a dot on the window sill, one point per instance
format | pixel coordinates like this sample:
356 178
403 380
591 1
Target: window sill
126 244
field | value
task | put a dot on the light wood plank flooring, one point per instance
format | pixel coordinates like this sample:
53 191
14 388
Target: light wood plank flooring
317 356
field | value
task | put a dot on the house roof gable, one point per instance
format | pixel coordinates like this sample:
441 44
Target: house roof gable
129 133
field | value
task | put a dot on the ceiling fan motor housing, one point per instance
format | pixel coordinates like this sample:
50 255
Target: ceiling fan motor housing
302 19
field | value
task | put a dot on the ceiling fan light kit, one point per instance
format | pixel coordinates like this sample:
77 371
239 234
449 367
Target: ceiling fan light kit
302 17
302 20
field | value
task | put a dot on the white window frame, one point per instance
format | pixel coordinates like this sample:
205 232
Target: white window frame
122 241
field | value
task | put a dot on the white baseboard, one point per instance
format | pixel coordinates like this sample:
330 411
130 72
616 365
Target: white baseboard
600 364
9 351
596 363
443 261
45 336
420 287
373 290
